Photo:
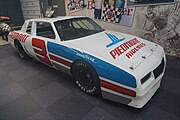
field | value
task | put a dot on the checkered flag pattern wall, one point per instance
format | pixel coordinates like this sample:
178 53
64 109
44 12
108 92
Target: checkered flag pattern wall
111 14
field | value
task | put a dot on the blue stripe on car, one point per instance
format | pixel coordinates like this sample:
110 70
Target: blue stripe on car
103 68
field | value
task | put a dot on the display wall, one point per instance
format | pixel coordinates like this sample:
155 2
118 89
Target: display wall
105 10
12 9
159 23
30 9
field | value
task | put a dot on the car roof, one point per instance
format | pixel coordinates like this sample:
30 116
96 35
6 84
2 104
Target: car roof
55 19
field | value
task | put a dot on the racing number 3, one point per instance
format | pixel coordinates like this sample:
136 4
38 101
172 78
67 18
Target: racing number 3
40 50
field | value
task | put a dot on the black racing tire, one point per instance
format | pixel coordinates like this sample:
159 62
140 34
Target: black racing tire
20 50
86 77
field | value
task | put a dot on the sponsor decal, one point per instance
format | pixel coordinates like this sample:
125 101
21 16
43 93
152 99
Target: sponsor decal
21 37
85 57
135 50
114 40
119 50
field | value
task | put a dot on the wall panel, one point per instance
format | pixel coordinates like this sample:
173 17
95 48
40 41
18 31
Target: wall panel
30 9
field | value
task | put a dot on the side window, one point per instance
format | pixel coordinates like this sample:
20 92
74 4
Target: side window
28 30
44 29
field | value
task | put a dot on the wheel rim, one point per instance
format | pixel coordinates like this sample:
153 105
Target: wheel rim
85 78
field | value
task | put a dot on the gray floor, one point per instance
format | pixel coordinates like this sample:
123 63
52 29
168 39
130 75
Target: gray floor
30 90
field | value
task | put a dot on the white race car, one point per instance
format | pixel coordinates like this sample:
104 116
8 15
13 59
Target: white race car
120 67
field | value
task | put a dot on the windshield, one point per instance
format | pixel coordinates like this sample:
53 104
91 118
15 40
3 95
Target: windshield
76 28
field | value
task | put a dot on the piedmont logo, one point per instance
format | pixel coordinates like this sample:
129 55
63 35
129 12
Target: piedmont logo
114 40
119 50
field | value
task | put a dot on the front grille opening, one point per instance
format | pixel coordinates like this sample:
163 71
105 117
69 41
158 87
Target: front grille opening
159 69
145 78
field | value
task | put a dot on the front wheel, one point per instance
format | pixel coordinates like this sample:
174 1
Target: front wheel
86 77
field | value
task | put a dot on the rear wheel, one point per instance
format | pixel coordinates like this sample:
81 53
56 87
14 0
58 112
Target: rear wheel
20 50
86 77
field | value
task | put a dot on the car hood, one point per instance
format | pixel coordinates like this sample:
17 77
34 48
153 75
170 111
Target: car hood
119 49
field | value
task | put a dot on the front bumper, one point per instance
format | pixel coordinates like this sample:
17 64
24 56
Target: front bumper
144 91
140 100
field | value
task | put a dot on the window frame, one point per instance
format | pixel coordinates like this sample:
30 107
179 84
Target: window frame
36 27
30 22
85 18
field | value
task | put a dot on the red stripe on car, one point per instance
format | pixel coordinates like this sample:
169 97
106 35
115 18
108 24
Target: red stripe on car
60 60
117 88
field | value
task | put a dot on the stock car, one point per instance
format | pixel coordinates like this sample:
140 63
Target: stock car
119 67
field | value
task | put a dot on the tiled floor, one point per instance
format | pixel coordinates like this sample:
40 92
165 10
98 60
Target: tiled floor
30 90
